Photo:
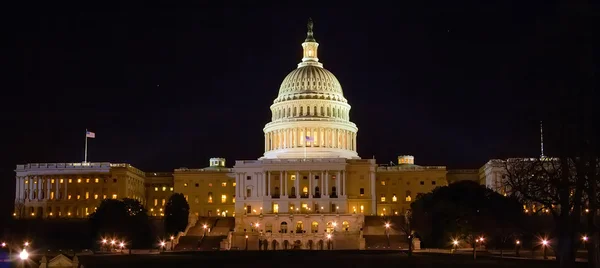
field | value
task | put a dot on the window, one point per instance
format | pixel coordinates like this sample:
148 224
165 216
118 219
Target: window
223 198
186 197
382 183
78 196
209 184
210 199
163 202
51 195
408 197
96 180
316 177
70 180
185 184
234 184
52 181
305 178
171 189
87 180
198 184
155 202
114 180
362 191
275 208
248 177
95 196
248 209
305 190
382 198
223 184
394 198
156 189
78 180
164 188
26 181
293 177
422 182
87 195
248 192
114 196
432 182
103 196
362 209
61 181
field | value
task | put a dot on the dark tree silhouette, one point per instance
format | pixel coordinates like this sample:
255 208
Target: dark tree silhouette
465 211
177 212
125 219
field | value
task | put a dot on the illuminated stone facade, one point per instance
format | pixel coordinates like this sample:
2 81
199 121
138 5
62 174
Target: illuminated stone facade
210 191
73 189
159 188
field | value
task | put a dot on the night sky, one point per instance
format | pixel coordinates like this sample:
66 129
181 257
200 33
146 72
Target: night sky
162 87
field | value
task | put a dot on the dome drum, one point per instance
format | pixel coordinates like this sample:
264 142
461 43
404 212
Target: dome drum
310 109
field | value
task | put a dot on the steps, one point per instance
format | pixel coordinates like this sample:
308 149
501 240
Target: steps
188 243
211 243
373 242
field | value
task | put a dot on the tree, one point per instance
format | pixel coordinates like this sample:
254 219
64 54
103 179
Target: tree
177 212
125 219
463 211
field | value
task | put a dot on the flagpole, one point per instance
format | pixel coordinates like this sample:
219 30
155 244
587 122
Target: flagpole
85 156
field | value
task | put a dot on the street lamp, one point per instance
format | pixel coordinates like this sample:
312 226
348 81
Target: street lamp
545 246
246 242
517 248
205 228
172 238
3 244
387 233
329 245
162 245
24 255
26 244
584 239
454 245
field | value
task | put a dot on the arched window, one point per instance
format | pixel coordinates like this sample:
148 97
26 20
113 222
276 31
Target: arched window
408 197
305 191
317 192
299 227
293 192
314 110
394 198
314 227
269 228
301 110
333 191
283 227
210 197
276 191
329 227
345 226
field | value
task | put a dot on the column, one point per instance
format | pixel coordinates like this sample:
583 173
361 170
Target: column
297 184
337 184
269 184
325 189
38 187
321 182
66 194
344 183
285 182
17 188
373 194
310 180
243 178
354 141
258 179
48 186
57 189
281 193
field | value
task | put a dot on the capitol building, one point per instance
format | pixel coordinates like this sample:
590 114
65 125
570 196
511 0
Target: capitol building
309 183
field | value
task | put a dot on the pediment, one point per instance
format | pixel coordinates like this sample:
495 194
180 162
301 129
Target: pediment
60 261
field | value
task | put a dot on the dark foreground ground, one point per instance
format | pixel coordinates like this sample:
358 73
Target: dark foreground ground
289 259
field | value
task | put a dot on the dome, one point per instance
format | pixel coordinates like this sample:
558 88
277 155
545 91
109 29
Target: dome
310 82
310 116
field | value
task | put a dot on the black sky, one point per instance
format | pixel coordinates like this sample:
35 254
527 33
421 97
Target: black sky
452 83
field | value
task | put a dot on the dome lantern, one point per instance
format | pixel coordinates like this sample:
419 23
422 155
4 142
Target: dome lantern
310 47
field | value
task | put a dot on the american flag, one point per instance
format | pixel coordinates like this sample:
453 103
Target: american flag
309 138
89 134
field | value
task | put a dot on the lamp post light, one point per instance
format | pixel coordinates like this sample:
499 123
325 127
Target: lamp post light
584 239
3 244
454 245
545 246
26 244
517 248
172 238
103 244
246 242
329 244
387 233
205 228
162 245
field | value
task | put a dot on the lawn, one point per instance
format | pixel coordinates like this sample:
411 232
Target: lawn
289 259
